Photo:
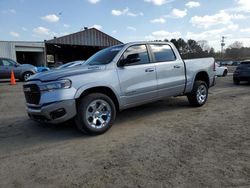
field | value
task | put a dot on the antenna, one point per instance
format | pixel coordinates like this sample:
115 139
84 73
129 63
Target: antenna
222 45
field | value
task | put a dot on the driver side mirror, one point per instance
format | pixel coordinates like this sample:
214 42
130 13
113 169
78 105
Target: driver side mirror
132 58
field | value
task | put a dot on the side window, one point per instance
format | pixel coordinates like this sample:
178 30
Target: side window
7 63
136 55
163 52
1 63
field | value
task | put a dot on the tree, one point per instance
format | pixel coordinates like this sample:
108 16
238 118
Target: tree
183 47
204 45
236 44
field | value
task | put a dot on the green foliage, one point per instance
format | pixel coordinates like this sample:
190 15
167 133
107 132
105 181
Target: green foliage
197 49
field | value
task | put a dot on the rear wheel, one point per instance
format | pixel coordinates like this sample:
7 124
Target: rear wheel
95 114
199 94
225 73
236 81
26 75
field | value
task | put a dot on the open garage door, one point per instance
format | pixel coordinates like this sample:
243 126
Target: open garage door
33 58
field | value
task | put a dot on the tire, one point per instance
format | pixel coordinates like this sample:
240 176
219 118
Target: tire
236 82
224 73
92 120
199 94
26 75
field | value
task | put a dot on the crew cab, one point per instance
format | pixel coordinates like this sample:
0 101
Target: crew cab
114 79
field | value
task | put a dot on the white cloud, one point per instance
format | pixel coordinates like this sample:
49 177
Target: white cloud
9 11
206 35
213 36
131 28
94 1
216 43
119 12
179 13
41 31
158 20
222 17
133 14
125 12
66 25
245 30
14 34
233 27
159 2
114 31
193 4
243 5
51 18
163 34
99 27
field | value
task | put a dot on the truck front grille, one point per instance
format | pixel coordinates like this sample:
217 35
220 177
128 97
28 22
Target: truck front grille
32 93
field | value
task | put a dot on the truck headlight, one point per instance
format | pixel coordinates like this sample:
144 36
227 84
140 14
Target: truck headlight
60 84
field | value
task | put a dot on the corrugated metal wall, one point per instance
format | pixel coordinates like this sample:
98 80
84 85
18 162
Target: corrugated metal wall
88 37
8 49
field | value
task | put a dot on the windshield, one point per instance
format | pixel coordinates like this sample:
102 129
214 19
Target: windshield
104 56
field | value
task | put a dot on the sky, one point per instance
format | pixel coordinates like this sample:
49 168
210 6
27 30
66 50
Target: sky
128 20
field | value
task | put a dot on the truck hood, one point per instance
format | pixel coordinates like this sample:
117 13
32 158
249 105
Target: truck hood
56 74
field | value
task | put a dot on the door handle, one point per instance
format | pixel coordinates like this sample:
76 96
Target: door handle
177 66
150 70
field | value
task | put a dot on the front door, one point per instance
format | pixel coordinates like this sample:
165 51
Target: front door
137 77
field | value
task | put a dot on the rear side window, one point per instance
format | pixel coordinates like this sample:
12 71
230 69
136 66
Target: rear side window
162 52
245 63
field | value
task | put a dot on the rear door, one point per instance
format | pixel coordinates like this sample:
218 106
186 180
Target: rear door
138 78
170 70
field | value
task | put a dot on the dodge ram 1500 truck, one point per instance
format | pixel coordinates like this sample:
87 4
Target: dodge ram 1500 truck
114 79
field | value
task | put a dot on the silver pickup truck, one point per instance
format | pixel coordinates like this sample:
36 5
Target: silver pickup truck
114 79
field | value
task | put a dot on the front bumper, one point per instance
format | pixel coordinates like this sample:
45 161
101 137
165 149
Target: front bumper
54 113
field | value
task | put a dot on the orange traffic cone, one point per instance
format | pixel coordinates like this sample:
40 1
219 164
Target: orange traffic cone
12 79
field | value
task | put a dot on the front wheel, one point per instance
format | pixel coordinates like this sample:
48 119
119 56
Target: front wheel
96 113
199 94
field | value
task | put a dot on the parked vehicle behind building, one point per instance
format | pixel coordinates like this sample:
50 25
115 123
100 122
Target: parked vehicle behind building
242 72
114 79
21 71
42 69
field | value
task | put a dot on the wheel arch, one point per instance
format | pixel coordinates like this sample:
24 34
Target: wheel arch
99 89
202 76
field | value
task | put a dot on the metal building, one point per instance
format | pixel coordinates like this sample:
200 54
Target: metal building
24 52
77 46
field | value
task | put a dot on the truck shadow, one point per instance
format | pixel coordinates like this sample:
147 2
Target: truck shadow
24 133
150 109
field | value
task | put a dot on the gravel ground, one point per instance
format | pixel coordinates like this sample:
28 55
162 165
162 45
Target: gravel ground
162 144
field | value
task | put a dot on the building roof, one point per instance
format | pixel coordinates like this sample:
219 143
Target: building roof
87 37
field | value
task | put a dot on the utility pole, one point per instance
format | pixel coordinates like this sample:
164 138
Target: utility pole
222 45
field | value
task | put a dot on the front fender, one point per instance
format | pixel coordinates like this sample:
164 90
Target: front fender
85 87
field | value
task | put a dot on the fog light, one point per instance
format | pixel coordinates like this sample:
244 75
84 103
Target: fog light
58 113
